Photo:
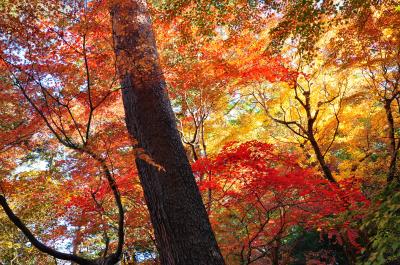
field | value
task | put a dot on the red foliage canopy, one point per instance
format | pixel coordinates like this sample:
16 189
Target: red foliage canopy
264 193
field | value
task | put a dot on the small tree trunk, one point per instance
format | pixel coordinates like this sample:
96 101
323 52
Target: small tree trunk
275 252
392 146
311 136
182 229
321 160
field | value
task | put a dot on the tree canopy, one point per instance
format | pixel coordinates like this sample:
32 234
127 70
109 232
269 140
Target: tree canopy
288 113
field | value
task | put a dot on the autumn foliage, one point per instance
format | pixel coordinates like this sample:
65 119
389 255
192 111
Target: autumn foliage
288 111
264 195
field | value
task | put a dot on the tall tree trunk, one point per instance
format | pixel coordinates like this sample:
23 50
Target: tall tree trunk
182 229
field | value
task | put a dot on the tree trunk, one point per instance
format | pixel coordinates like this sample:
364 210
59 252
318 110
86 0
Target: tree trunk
182 229
275 252
392 149
321 160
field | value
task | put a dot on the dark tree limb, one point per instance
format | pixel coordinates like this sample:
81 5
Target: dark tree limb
35 242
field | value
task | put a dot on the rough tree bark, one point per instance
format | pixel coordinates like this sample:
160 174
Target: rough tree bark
182 229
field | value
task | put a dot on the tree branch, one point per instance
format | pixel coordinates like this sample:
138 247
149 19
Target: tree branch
35 242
